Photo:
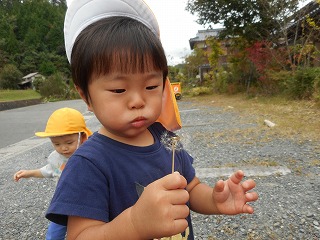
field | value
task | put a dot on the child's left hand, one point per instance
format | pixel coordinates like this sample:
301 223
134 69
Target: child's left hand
231 196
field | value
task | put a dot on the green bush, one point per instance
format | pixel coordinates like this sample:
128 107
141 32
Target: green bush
10 76
301 85
279 80
54 87
197 91
37 83
72 93
316 87
220 81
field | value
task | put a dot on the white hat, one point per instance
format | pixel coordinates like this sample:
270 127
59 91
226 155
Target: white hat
82 13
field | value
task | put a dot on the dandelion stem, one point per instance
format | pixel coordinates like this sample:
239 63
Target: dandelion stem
173 146
173 150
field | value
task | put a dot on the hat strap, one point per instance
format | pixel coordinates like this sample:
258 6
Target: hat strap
79 136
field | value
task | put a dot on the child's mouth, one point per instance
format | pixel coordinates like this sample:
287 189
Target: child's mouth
139 122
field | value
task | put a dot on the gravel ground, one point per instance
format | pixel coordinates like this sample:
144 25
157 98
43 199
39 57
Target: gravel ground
288 207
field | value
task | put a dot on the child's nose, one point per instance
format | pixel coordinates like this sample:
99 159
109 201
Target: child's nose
64 147
136 101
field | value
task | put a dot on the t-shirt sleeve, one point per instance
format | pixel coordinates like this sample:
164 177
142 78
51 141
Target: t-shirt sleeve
80 193
188 170
49 170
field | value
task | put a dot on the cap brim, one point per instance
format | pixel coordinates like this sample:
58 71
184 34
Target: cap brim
45 134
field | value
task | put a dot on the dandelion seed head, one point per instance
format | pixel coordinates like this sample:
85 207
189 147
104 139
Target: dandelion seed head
170 141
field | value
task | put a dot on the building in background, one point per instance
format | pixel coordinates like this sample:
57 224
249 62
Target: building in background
27 81
200 42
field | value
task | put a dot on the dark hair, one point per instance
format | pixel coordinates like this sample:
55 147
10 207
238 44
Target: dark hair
115 44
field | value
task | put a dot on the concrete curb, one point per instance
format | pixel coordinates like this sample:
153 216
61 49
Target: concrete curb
18 104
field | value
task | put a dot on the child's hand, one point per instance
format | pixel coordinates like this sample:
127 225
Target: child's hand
161 209
20 174
231 196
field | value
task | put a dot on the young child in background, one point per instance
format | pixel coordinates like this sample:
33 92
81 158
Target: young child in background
124 187
67 130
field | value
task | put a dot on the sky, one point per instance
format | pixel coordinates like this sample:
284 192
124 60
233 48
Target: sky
177 26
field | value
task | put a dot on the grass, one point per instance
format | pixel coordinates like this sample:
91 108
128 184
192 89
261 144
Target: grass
298 120
15 95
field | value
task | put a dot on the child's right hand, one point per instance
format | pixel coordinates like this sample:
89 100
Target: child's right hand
161 209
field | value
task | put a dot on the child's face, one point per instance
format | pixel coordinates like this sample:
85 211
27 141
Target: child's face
126 104
66 144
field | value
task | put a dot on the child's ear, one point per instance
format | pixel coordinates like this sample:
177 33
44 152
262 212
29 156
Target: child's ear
84 137
82 95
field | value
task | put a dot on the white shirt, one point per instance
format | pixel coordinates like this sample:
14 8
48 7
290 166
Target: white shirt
56 163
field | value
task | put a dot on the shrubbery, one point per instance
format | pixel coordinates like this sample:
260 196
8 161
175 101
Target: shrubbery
53 87
56 88
10 76
221 80
302 84
316 87
197 91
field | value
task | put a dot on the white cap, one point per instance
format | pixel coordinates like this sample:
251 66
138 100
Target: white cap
82 13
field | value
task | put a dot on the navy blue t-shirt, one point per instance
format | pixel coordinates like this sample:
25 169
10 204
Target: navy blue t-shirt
104 177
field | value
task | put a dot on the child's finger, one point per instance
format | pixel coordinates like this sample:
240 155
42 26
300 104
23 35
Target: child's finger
251 196
178 196
237 177
247 209
180 211
248 185
15 177
180 225
173 181
219 186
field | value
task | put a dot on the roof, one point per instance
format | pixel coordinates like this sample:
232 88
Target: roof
25 81
202 35
30 75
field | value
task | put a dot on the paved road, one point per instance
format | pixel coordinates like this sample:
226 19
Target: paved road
21 123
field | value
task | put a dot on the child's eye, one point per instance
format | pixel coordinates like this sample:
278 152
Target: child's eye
151 87
118 90
69 143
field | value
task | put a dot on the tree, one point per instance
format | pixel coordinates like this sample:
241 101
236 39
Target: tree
215 53
173 72
253 19
294 35
10 76
194 61
29 30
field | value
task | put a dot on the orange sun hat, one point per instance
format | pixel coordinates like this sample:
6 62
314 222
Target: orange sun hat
65 121
170 116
